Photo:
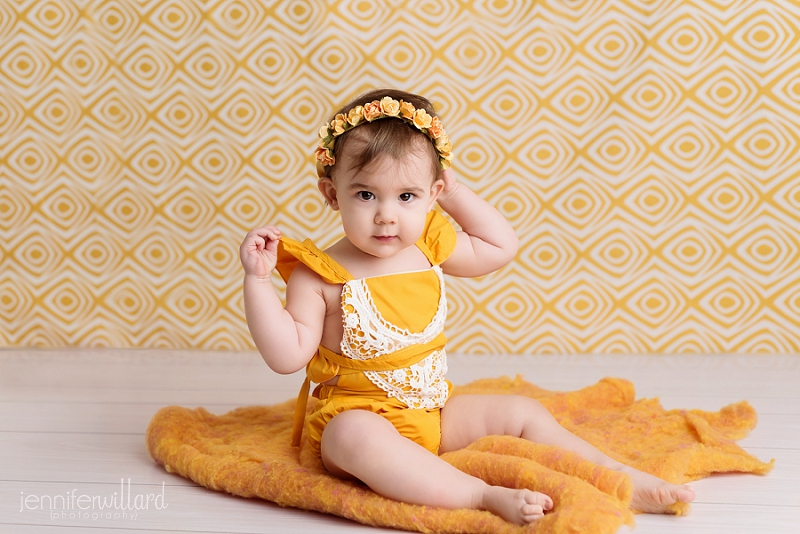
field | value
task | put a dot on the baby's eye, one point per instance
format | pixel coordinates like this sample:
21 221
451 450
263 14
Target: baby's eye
405 197
365 195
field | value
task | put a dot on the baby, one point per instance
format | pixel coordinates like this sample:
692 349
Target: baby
365 318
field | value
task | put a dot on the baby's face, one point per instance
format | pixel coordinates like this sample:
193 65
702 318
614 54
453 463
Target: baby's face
383 206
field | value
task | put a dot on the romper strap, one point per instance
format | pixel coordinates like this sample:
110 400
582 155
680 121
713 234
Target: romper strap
438 238
300 412
292 253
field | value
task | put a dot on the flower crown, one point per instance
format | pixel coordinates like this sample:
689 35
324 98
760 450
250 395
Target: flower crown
386 107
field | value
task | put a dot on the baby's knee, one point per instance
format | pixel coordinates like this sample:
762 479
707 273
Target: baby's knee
521 408
530 416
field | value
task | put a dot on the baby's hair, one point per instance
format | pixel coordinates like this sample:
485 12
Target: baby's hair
386 137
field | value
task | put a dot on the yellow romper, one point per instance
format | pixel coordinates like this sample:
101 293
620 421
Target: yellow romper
392 359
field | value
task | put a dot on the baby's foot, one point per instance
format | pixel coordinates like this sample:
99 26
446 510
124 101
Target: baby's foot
654 496
518 506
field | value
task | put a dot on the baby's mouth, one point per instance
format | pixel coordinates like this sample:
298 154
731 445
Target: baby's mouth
385 238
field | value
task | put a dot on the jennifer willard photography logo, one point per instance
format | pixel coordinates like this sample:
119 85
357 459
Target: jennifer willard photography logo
73 505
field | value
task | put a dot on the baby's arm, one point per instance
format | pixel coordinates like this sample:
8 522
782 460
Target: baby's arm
487 241
286 338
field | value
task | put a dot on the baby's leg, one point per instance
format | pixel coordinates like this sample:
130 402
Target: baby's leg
467 418
366 446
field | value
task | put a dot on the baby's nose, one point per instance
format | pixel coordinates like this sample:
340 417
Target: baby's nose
385 215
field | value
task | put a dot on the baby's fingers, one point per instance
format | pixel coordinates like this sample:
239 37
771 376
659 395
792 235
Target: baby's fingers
266 233
259 237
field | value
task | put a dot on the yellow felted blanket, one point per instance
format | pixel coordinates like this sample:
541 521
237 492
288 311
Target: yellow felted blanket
247 452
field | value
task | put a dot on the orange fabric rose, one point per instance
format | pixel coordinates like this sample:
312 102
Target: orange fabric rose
323 156
436 129
372 110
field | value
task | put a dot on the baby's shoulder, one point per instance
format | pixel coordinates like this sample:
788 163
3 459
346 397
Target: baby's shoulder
303 275
305 282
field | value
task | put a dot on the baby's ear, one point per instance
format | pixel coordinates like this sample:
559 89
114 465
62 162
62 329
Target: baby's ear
328 190
436 190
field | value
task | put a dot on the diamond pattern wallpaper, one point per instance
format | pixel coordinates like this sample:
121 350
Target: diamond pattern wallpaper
646 151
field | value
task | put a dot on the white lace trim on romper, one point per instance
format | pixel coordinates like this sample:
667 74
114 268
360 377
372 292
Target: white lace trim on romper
368 335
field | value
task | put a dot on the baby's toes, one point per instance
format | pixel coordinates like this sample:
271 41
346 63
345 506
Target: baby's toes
535 505
685 494
541 499
532 512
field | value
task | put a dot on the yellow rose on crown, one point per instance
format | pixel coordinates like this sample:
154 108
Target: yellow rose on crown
338 126
443 143
372 110
355 115
406 109
421 119
390 106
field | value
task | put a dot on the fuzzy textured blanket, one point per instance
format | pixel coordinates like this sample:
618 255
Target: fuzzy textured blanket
247 452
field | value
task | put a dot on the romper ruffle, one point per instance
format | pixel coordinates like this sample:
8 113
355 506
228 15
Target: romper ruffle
406 311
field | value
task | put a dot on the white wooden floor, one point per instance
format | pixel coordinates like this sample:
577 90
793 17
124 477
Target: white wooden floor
72 424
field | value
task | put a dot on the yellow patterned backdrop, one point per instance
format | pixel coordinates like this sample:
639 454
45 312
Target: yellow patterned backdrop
646 151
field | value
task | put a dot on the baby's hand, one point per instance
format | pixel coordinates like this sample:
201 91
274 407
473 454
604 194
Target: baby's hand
259 251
